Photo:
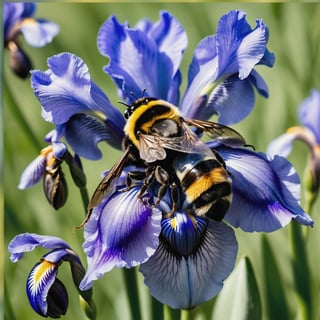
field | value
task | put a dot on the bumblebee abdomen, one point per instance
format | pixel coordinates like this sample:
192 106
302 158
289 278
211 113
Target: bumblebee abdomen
206 185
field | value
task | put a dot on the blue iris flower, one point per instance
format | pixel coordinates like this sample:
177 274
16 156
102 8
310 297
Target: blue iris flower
18 18
125 231
46 293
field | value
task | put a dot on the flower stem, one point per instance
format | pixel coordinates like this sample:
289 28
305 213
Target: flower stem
301 272
130 279
171 314
157 309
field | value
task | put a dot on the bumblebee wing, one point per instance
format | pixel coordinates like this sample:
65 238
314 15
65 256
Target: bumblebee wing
106 183
219 132
151 148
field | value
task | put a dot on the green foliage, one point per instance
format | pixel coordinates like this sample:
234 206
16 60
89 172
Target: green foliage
240 294
284 274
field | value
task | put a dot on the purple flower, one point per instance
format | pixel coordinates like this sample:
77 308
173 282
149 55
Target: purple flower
46 293
18 18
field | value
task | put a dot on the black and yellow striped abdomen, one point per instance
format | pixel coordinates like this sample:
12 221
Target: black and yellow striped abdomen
205 183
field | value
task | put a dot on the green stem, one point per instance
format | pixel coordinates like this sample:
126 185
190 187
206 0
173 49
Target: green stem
130 279
301 272
157 309
171 314
11 103
186 314
84 198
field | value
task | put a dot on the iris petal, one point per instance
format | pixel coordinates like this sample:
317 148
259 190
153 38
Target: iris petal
29 241
66 89
309 113
266 194
128 72
121 232
39 32
39 281
183 282
33 172
84 132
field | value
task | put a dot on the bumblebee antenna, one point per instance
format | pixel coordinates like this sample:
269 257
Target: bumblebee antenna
123 103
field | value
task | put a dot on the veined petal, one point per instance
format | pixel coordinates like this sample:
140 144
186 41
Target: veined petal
239 48
309 113
47 294
232 100
84 132
66 89
170 37
266 193
33 172
129 71
121 232
182 282
26 242
38 32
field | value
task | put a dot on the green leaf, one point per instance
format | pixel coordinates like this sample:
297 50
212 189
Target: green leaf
276 304
240 298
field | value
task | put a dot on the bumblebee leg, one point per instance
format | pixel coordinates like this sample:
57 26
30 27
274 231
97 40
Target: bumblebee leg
149 177
163 178
133 175
174 198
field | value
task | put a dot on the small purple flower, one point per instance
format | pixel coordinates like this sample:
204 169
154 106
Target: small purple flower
46 293
18 18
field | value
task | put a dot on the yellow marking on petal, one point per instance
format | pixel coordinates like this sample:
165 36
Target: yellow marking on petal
42 269
28 21
173 223
46 151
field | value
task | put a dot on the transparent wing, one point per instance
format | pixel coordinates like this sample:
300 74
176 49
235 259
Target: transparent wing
106 183
220 133
152 147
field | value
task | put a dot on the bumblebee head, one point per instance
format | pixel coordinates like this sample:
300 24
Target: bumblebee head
136 104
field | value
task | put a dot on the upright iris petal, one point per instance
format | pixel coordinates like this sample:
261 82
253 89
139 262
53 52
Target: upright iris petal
220 80
150 47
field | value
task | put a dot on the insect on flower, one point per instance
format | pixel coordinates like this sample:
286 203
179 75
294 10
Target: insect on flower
161 141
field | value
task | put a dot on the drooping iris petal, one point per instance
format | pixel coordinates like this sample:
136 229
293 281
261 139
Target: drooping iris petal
66 89
266 193
309 114
283 144
184 281
33 172
46 293
29 241
84 132
129 71
39 32
121 232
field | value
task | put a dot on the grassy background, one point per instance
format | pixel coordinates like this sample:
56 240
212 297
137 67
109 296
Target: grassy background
294 38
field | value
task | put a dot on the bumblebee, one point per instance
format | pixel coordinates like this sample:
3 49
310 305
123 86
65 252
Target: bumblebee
161 141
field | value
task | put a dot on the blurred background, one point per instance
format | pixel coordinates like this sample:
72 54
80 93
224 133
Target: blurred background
294 38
